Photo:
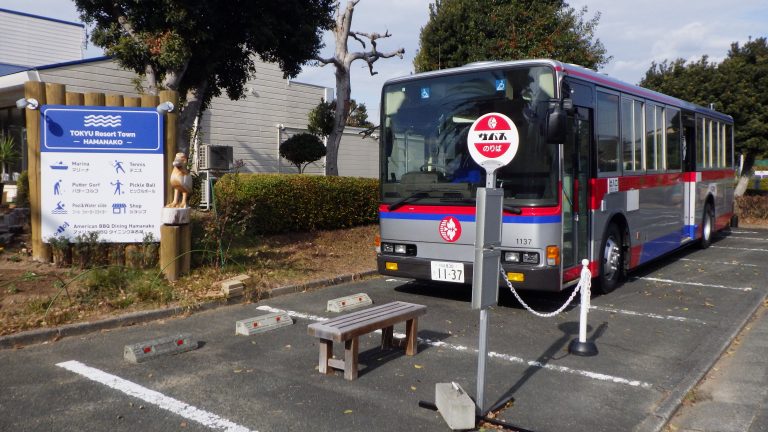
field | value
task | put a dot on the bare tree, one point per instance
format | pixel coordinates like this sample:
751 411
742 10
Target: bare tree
342 61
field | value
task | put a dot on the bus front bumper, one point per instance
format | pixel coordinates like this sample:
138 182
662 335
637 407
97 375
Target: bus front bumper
533 278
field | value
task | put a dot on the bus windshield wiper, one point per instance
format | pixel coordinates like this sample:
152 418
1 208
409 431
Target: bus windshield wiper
513 210
412 197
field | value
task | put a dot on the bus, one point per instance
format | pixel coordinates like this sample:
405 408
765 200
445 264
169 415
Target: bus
605 170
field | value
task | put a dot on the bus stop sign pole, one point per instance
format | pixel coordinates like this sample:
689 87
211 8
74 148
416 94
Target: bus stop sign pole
492 143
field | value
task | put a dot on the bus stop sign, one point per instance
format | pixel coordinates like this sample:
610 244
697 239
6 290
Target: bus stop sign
493 141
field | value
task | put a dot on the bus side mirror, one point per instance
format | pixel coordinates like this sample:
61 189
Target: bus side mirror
556 120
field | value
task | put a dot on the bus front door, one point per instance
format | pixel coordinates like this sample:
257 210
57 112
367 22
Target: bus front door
575 184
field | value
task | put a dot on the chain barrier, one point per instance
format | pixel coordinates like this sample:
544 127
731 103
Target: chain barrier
585 282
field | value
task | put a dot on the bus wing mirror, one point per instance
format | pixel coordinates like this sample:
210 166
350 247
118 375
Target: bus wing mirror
556 120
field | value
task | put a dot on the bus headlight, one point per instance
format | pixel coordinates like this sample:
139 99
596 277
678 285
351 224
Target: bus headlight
399 249
531 257
513 257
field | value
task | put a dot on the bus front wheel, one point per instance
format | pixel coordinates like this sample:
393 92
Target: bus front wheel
611 260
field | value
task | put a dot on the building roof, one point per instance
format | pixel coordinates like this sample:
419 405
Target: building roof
7 69
81 25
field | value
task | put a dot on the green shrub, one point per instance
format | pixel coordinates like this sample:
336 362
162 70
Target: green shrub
22 190
302 149
274 203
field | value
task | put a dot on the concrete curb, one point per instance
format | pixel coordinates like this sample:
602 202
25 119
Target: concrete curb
31 337
667 406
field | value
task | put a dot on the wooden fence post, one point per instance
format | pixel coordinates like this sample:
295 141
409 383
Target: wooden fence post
35 90
75 99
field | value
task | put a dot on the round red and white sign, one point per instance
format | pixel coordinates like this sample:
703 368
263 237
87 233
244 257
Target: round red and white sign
493 141
449 229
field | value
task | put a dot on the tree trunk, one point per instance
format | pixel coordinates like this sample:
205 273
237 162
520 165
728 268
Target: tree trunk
340 116
187 117
744 175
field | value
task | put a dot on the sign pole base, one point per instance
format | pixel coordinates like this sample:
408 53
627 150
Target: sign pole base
583 349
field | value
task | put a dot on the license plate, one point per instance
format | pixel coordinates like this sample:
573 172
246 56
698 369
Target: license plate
448 271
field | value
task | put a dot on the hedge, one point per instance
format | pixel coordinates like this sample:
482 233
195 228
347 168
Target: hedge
275 203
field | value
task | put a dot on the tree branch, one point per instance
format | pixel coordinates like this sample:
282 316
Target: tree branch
371 56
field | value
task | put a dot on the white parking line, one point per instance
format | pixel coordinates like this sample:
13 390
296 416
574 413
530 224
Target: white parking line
719 262
648 315
160 400
745 238
743 249
698 284
746 232
506 357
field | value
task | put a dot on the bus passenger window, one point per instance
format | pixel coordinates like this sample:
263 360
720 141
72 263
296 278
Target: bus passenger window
673 140
608 153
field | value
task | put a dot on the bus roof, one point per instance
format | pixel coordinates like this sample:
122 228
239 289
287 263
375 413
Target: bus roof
575 71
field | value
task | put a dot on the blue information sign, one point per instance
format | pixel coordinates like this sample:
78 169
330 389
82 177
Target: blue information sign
101 129
101 171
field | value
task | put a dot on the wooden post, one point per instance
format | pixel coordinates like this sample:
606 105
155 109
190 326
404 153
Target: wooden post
75 99
132 101
114 100
149 101
35 90
173 243
55 94
171 135
95 99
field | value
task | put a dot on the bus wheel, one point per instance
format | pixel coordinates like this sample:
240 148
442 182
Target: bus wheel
707 226
611 260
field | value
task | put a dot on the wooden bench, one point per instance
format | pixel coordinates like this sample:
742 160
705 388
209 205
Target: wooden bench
347 328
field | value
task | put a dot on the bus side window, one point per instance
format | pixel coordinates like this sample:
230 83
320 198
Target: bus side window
608 153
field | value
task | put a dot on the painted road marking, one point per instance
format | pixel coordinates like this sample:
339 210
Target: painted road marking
698 284
719 262
648 315
747 238
742 249
747 232
160 400
506 357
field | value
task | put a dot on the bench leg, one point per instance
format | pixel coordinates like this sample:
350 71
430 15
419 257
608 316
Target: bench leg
411 329
350 358
326 352
386 337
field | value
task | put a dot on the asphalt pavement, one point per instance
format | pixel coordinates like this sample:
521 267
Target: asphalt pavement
657 336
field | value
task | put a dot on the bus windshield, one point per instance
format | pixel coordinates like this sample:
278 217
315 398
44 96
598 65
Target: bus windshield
425 123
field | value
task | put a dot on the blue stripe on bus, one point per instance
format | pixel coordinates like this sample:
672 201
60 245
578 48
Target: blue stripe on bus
471 218
657 247
690 231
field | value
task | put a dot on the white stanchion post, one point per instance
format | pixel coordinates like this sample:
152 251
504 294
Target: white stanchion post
582 346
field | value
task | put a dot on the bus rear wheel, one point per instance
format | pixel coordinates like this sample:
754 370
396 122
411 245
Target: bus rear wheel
611 260
707 226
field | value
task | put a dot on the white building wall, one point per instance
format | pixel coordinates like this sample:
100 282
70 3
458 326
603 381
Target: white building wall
31 41
103 76
250 125
358 156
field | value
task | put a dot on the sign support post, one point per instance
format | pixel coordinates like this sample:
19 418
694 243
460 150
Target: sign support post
492 143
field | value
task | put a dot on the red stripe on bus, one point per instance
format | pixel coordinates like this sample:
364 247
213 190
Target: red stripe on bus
724 221
717 175
599 186
574 273
635 252
467 210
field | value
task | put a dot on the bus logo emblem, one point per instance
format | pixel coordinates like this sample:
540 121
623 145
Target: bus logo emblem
450 229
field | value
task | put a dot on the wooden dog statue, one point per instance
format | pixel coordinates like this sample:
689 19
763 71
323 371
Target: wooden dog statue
181 181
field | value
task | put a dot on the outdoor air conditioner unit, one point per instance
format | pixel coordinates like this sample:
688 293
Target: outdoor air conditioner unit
214 157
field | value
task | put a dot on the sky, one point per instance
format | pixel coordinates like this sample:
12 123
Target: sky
635 33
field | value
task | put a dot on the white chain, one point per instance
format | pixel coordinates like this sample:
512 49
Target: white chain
584 282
